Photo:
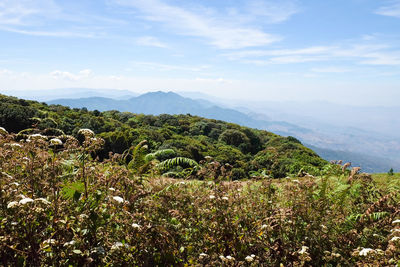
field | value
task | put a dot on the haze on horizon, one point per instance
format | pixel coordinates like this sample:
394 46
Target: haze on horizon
344 51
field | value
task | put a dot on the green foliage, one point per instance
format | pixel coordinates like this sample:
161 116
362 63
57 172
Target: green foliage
188 136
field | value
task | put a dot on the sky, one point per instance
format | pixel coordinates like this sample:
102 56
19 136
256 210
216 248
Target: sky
342 51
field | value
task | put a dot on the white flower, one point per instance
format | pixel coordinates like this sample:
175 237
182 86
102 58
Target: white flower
395 238
396 221
83 216
230 258
212 196
50 241
222 257
70 243
202 256
15 145
3 131
86 132
365 251
25 200
249 259
303 250
37 136
118 199
15 183
117 245
45 201
56 142
111 189
12 204
136 226
225 198
264 226
14 223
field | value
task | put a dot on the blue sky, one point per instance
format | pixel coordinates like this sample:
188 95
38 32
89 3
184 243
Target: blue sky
343 51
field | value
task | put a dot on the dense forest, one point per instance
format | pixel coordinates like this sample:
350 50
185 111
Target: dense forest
245 152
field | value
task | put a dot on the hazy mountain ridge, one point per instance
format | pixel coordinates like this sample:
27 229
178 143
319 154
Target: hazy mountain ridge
331 141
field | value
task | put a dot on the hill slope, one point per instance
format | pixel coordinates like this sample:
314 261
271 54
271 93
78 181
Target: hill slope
246 150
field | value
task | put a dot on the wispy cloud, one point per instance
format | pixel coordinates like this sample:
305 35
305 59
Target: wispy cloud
332 69
273 11
222 31
392 9
48 18
57 74
367 54
150 41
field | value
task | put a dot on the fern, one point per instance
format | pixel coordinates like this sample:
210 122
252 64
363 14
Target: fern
73 190
161 155
175 162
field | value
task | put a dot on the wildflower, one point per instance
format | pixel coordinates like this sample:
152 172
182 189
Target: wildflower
23 201
111 189
117 245
43 200
49 241
118 199
14 223
36 136
252 255
202 256
86 132
14 145
99 250
15 183
56 142
3 131
12 204
222 257
83 216
264 226
225 198
7 175
212 196
303 249
230 258
70 243
136 226
395 238
396 221
270 202
249 259
365 251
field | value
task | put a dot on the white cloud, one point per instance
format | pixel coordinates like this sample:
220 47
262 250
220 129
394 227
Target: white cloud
221 31
150 41
57 74
391 10
365 54
331 69
272 11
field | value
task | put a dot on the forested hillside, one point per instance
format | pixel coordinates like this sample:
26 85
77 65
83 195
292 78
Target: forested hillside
246 152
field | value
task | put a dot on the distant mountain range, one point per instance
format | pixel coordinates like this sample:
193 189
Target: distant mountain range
329 146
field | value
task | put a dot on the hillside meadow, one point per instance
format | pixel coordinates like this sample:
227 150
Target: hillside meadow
61 205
